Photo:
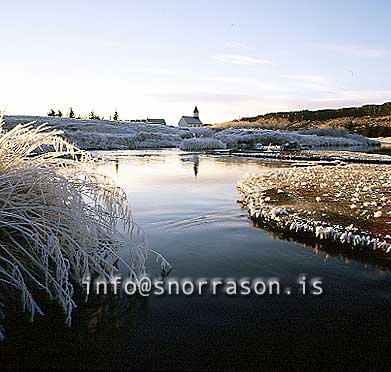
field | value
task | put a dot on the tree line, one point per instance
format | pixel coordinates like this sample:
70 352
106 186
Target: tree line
71 114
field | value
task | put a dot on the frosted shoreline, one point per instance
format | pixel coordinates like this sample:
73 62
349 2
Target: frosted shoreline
348 205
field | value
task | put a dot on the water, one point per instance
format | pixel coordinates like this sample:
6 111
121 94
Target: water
384 149
188 207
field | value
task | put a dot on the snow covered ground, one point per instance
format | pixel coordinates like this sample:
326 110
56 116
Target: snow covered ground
111 135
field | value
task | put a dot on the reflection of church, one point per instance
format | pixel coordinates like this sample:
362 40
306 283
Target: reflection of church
196 162
193 159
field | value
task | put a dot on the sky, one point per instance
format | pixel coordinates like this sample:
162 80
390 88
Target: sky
159 59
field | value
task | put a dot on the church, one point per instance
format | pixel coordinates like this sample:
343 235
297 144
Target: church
191 121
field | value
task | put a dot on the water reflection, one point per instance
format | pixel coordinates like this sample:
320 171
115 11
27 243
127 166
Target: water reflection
196 162
328 250
110 313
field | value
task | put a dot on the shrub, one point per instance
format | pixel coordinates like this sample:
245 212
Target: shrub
202 132
198 144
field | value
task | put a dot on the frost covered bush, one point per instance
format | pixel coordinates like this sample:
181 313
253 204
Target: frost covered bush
338 133
60 221
144 139
101 141
202 132
185 133
327 132
235 137
198 144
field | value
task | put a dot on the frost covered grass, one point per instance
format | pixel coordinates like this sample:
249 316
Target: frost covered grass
60 222
199 144
106 134
349 204
110 135
202 132
316 138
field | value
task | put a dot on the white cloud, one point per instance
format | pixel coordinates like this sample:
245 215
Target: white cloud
241 60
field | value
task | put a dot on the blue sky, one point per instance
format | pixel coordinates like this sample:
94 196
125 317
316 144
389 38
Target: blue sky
160 58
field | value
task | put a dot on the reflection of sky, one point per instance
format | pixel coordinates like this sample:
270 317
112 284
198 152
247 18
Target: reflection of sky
172 172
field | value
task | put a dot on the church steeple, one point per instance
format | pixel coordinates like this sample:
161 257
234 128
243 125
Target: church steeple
196 112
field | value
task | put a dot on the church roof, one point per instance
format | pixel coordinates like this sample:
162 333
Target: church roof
191 120
156 121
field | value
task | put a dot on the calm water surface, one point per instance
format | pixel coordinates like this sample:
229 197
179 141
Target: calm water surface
187 205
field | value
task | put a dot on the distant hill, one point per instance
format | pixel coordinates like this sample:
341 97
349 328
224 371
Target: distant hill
368 120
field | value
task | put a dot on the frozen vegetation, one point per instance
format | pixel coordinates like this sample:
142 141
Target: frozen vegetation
312 138
60 222
198 144
111 135
349 204
202 132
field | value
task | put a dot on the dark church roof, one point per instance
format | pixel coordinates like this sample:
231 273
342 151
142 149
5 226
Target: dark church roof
191 120
156 121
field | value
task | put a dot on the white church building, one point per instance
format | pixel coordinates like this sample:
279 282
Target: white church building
191 121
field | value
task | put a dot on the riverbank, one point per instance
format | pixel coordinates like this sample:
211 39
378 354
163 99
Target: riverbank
311 157
348 204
